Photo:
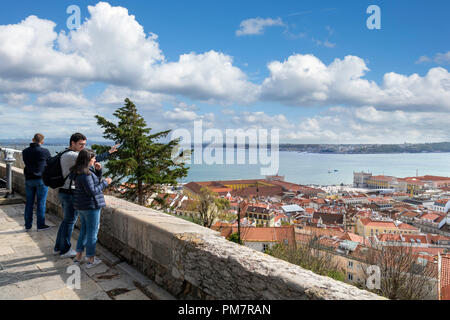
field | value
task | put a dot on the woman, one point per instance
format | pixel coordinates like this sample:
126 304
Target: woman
88 201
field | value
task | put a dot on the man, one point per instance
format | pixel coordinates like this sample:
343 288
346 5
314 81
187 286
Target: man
35 158
65 194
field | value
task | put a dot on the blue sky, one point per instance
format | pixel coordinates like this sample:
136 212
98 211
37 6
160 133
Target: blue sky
315 71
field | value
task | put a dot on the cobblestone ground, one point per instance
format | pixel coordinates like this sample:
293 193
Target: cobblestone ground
29 270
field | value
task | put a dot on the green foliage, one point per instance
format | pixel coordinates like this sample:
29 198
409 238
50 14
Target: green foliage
143 162
308 256
336 275
235 238
210 206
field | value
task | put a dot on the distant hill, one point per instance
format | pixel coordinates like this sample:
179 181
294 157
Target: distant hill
310 148
368 148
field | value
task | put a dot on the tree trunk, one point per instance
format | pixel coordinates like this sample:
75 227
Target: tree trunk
140 193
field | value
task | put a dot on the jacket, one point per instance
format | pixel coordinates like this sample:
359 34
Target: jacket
68 160
35 159
88 193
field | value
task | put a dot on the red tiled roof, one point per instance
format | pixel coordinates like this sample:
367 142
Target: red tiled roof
444 282
389 237
267 234
370 222
381 177
406 226
410 214
430 216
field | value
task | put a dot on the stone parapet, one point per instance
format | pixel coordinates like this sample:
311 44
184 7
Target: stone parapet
193 262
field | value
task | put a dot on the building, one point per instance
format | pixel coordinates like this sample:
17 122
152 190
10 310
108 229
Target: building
242 188
260 213
386 182
355 199
439 205
360 179
261 239
368 227
292 210
444 276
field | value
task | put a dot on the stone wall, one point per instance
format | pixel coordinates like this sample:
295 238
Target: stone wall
193 262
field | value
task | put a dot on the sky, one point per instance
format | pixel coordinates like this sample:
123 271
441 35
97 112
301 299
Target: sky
314 70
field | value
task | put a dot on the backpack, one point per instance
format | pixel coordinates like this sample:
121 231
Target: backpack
52 175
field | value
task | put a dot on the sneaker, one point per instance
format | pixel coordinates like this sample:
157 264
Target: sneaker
27 229
55 252
76 262
69 254
45 227
93 263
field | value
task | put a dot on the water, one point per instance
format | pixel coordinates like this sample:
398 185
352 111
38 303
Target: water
312 168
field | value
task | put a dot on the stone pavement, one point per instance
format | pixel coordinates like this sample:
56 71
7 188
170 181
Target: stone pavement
30 271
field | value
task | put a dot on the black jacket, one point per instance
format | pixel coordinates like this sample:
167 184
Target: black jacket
88 194
35 159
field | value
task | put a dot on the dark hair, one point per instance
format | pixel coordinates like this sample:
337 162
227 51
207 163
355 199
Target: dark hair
77 137
82 164
38 138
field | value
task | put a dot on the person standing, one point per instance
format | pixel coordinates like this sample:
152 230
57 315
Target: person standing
35 159
88 201
65 194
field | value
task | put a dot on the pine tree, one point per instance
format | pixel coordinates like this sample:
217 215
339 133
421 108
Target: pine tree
143 163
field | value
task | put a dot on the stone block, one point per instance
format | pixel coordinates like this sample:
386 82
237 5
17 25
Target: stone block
134 274
132 295
61 294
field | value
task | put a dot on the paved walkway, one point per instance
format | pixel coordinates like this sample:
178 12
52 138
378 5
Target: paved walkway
29 270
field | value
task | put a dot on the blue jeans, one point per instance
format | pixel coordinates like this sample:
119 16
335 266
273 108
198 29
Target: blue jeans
90 221
33 189
66 228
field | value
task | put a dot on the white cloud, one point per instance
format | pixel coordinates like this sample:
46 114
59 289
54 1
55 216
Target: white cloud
423 59
114 44
114 96
304 80
62 99
256 25
112 47
15 99
370 125
439 58
325 43
442 58
27 50
185 115
209 77
259 119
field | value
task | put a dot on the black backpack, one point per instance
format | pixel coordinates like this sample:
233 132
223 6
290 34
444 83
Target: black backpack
52 175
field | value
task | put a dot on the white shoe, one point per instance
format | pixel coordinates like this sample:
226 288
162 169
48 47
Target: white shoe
55 252
93 263
69 254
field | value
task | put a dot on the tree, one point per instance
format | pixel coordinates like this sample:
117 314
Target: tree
234 237
210 206
309 255
403 275
143 163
